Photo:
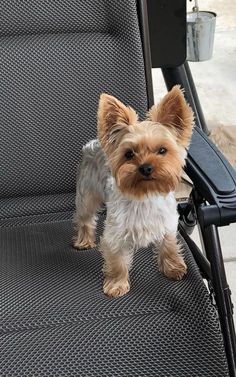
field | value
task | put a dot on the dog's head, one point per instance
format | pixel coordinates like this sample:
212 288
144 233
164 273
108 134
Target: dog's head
146 157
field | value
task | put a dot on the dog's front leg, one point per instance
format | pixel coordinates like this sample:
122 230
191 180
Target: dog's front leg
170 259
116 269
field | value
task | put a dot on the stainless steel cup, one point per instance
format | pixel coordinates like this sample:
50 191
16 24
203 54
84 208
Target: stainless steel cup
200 35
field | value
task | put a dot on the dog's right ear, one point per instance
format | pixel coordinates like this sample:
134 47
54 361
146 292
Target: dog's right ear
113 121
174 112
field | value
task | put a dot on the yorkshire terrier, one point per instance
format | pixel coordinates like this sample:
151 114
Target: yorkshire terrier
133 168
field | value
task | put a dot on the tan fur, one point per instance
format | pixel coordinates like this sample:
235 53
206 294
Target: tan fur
170 260
169 128
174 112
167 169
116 272
169 125
113 119
85 238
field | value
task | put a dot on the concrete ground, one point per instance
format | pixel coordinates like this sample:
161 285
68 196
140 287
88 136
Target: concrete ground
216 85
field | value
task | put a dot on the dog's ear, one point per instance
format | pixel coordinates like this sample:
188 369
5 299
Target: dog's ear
113 121
174 112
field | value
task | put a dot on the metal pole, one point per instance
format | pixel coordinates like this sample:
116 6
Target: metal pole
196 98
182 76
222 293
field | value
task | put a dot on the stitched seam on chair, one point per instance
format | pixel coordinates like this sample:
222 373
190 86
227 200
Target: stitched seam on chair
48 33
36 214
83 319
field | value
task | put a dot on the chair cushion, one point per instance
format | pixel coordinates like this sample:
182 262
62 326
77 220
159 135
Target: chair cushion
56 321
56 59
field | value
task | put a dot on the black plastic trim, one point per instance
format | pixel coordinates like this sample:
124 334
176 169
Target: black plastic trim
200 259
214 178
167 25
144 29
210 162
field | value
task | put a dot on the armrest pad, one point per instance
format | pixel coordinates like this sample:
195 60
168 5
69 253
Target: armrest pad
213 176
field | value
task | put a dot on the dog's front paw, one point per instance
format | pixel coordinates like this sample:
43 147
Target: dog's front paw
115 288
173 269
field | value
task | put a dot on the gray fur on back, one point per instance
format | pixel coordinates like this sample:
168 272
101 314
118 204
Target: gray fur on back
92 173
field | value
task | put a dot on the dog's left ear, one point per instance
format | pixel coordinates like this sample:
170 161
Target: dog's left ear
114 119
174 112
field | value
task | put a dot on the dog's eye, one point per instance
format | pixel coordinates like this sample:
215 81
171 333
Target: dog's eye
162 151
129 154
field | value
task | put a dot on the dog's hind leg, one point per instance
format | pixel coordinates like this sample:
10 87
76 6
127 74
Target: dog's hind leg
85 220
90 191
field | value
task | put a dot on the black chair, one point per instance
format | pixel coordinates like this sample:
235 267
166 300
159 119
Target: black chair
56 58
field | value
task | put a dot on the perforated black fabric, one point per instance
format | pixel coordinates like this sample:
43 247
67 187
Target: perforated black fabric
56 59
41 208
61 324
45 16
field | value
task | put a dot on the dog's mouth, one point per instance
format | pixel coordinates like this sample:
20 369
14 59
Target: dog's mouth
147 179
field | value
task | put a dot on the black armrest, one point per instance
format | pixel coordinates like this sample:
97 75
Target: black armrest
214 178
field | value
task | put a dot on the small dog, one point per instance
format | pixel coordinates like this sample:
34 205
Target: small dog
133 168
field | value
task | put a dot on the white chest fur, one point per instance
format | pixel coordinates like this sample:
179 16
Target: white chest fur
139 223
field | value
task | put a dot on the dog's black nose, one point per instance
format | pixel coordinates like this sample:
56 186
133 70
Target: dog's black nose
146 169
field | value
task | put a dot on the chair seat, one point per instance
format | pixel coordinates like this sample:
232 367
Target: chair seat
56 321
